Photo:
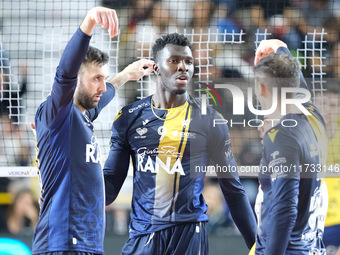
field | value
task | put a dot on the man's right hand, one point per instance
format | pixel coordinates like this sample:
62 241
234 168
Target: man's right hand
138 69
133 72
266 48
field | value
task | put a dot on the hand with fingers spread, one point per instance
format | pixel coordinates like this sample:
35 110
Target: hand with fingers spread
100 16
266 48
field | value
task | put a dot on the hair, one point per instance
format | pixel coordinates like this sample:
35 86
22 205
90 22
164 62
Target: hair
278 70
95 56
174 38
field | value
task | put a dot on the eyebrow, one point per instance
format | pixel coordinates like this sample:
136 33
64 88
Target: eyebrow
180 56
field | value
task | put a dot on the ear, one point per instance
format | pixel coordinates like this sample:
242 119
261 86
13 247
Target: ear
263 89
156 69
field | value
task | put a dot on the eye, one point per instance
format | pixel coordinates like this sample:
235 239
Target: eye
189 62
174 61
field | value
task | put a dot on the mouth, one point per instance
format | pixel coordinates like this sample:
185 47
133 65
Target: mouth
97 97
182 79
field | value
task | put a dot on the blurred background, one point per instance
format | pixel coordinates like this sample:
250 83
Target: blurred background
224 33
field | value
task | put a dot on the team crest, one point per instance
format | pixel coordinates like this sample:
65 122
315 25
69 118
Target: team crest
141 131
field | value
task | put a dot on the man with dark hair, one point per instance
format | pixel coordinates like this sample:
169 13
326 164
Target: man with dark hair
292 200
168 138
68 156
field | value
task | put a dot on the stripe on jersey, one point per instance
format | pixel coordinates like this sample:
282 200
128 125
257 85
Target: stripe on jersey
320 133
172 145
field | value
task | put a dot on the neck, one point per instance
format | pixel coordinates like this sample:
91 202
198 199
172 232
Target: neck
82 109
277 114
167 100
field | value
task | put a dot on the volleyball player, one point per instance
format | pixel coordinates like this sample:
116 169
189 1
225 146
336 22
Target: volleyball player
72 202
170 141
292 200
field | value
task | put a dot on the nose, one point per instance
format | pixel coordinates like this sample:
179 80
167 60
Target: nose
102 86
182 67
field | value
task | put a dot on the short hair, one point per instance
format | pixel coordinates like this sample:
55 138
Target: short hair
95 56
174 38
278 70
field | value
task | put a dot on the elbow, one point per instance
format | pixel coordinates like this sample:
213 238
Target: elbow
110 194
109 199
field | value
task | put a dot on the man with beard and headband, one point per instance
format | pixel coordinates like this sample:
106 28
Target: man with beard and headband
72 201
168 139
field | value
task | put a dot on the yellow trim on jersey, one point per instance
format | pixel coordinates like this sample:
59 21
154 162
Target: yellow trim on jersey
165 182
272 134
320 133
5 199
252 250
118 115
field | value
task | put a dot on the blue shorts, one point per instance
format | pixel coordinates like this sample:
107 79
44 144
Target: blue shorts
183 239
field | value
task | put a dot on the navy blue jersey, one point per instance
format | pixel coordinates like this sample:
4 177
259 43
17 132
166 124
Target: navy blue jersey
72 202
292 200
169 160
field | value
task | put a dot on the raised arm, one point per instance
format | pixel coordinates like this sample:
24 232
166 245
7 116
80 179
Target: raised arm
271 46
60 100
132 72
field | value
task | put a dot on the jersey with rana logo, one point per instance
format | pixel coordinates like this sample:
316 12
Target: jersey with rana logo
170 150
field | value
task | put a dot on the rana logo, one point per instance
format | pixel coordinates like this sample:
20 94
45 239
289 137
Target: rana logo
204 97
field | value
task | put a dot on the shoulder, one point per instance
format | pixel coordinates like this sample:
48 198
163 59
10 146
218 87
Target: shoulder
285 134
137 106
130 112
210 112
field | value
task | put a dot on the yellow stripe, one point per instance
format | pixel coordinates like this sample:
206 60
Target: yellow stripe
5 199
184 143
320 133
172 140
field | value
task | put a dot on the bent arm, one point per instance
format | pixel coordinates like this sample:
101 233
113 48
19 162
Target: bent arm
285 191
132 72
115 171
232 189
117 164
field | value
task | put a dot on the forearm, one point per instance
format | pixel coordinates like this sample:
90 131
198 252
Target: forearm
280 228
282 215
240 210
115 172
74 54
119 80
113 184
132 72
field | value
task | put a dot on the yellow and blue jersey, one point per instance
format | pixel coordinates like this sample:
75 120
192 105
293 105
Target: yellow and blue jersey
170 154
292 202
72 201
